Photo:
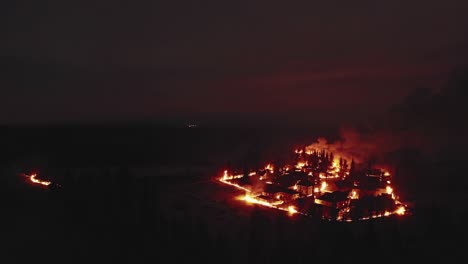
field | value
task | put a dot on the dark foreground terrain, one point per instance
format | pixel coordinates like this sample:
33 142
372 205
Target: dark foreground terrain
141 195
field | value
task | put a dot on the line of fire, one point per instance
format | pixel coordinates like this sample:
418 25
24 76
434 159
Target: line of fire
322 186
35 180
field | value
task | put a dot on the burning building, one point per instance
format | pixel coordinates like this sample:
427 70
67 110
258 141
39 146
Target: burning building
280 193
318 183
305 187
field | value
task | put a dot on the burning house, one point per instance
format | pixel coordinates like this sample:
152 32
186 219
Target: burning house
280 193
335 199
331 203
305 187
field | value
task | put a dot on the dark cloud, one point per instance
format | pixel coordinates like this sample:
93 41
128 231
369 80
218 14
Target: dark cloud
163 58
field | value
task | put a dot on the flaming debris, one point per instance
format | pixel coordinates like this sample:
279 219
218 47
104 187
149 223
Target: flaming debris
318 184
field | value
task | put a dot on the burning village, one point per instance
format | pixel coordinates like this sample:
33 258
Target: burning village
321 185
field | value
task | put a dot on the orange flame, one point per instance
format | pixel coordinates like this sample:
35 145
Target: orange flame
401 210
389 190
234 184
33 179
292 210
301 164
323 187
353 195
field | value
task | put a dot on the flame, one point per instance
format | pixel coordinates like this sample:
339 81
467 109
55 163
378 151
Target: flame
389 190
253 200
301 164
335 164
226 179
250 199
401 210
316 190
323 176
292 210
323 186
386 173
33 179
354 195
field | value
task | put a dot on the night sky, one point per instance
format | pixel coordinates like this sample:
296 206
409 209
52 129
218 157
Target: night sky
71 61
